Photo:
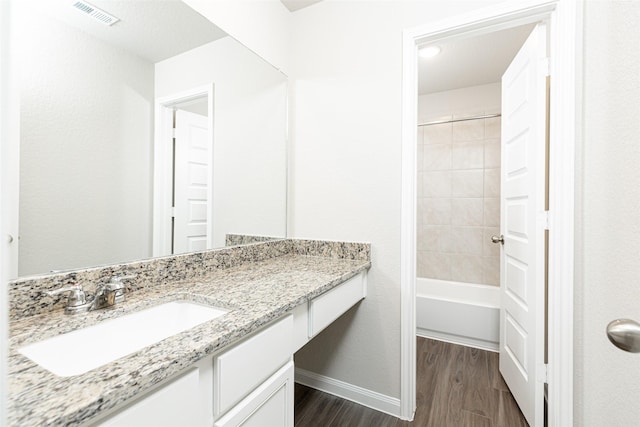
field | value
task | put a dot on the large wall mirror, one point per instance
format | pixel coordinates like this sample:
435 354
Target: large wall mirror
155 135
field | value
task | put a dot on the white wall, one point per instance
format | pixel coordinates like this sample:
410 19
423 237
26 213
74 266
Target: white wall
607 386
262 25
85 171
8 196
249 166
346 112
467 101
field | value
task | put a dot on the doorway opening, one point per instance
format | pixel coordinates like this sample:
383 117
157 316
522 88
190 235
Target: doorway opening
561 21
461 257
183 172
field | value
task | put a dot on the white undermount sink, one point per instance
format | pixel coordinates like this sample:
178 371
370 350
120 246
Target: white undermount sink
77 352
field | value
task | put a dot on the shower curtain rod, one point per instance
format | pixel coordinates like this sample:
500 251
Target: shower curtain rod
439 122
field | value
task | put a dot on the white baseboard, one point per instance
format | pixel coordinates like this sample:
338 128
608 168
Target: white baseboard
456 339
362 396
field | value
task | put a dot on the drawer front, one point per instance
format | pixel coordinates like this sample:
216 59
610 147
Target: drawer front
241 369
173 404
270 405
326 308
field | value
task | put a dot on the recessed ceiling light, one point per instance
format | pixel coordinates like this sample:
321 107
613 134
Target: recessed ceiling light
429 51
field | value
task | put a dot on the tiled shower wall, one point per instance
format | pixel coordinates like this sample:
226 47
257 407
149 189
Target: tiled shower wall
459 201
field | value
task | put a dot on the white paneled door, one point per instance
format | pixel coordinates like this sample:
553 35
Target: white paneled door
523 224
191 168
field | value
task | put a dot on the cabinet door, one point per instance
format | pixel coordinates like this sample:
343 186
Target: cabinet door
174 404
270 405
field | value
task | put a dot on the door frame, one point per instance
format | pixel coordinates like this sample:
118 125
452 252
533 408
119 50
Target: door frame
162 165
565 24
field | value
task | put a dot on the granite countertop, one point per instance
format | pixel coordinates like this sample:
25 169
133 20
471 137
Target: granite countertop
255 293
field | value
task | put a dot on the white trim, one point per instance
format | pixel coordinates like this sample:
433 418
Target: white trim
565 25
162 165
408 227
458 340
362 396
566 117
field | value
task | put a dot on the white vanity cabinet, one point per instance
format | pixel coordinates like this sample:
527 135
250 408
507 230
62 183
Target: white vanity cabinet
182 400
254 379
249 384
269 405
311 318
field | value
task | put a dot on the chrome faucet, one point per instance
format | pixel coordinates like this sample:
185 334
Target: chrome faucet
77 301
106 295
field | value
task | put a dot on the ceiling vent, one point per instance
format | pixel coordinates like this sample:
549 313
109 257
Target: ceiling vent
97 14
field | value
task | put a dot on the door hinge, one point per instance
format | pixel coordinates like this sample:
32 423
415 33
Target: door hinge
173 212
173 133
544 374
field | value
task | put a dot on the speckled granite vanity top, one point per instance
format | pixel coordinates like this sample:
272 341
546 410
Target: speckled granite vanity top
257 283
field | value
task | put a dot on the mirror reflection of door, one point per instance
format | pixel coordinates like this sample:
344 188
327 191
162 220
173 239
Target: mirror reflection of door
191 164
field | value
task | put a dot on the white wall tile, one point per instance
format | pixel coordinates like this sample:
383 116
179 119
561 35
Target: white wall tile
437 157
491 271
420 210
466 240
468 130
459 201
467 268
492 127
436 211
491 183
434 265
434 238
467 212
492 212
437 134
491 153
467 183
436 184
468 155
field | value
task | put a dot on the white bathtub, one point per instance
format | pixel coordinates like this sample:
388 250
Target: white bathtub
460 313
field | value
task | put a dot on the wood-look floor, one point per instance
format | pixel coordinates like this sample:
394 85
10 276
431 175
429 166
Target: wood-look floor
456 386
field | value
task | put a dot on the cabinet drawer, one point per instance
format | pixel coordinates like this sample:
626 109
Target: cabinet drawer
238 371
175 403
326 308
270 405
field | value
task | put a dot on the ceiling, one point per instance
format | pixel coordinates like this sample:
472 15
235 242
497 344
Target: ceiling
294 5
143 25
472 61
154 30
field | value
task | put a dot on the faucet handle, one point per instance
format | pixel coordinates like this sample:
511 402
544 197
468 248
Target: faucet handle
76 298
116 281
116 288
